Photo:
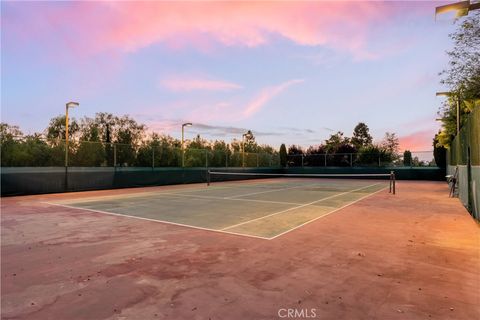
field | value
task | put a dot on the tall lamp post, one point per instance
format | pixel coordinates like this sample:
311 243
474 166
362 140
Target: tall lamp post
247 134
68 105
451 94
461 8
188 124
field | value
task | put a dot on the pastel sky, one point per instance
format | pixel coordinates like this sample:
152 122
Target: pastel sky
292 72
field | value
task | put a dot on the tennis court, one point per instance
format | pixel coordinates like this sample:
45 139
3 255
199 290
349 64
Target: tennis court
261 206
408 256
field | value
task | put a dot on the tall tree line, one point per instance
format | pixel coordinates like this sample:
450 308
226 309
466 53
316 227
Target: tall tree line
461 77
340 150
107 139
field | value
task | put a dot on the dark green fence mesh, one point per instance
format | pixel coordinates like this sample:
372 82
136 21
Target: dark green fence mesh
468 138
463 157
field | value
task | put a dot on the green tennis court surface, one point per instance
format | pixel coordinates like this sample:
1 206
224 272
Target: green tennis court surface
264 208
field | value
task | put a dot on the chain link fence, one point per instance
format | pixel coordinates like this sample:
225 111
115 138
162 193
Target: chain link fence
38 152
414 159
34 151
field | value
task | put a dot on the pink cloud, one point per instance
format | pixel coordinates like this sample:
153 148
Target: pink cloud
96 27
234 110
266 95
417 141
190 84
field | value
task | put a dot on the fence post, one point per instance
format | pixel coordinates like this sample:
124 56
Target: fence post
325 155
161 155
379 160
206 158
153 157
257 160
114 155
302 160
351 160
226 159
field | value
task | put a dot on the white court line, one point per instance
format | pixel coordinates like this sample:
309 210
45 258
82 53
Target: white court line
298 207
229 198
160 221
326 214
181 195
214 230
275 190
135 195
188 189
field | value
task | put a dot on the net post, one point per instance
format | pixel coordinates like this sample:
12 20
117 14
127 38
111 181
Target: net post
392 182
208 178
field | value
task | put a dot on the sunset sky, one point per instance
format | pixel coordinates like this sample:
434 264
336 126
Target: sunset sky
293 73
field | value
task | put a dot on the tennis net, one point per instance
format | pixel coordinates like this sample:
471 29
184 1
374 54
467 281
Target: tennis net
281 180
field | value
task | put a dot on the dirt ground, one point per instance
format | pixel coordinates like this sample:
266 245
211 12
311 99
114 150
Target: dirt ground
415 255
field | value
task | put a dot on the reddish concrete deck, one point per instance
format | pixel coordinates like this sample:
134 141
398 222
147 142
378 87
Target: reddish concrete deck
412 256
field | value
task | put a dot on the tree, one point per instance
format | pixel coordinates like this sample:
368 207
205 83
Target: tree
18 150
315 156
295 150
339 149
267 156
295 154
407 158
343 156
283 155
439 153
220 154
250 148
462 77
9 133
374 155
90 130
56 129
10 144
90 152
335 141
361 136
198 143
197 152
167 151
106 123
390 143
419 163
36 153
463 70
127 136
250 144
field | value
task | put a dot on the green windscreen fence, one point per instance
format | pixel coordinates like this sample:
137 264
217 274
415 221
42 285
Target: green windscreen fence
38 180
464 154
468 138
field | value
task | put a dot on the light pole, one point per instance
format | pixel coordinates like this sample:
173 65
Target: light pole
451 94
247 134
188 124
68 105
462 8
